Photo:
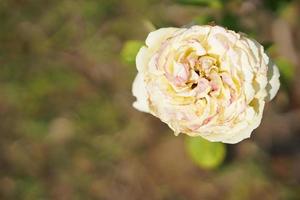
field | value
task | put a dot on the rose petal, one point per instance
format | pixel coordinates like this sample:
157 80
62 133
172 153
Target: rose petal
273 81
156 37
139 91
142 59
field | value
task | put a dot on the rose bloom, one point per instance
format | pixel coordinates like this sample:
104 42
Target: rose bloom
205 81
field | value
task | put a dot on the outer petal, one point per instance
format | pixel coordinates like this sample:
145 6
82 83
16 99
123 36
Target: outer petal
139 91
155 38
273 81
238 134
142 59
220 40
246 132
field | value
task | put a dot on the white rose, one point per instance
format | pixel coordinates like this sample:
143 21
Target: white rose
205 81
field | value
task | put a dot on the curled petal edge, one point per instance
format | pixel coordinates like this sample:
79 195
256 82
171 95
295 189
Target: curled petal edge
139 91
273 81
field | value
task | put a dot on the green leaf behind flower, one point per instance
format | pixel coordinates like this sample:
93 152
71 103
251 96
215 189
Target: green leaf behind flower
130 50
203 20
287 70
205 154
211 3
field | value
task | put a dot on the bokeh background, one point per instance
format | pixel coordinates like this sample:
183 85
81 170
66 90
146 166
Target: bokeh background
67 127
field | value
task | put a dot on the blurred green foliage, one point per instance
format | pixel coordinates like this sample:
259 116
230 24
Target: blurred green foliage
211 3
130 50
287 70
207 155
276 5
202 20
286 67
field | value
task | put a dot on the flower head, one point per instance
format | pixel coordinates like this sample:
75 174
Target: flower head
205 81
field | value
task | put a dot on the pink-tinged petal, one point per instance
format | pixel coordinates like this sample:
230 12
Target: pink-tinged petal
207 120
179 81
228 80
214 86
203 87
179 76
220 40
180 70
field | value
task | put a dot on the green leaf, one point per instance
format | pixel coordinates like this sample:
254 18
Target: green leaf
231 21
203 20
130 50
211 3
287 70
276 5
267 45
205 154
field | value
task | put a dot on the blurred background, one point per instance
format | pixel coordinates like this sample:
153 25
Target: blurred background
67 127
